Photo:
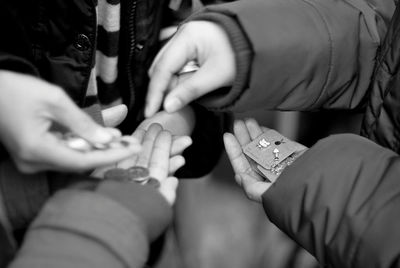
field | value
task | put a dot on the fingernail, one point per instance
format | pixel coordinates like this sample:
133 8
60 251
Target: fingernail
172 105
102 135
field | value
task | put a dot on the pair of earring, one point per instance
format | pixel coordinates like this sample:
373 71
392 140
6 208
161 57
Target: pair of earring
263 143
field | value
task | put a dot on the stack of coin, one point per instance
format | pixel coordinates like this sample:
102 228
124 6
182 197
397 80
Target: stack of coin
78 143
138 174
133 174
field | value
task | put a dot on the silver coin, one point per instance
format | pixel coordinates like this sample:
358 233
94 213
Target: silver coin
77 143
117 174
138 174
153 182
190 67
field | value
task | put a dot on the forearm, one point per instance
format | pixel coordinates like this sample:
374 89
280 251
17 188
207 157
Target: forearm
106 227
338 201
23 194
308 54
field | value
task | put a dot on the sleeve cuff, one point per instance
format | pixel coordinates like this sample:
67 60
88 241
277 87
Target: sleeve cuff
100 219
144 201
226 97
23 194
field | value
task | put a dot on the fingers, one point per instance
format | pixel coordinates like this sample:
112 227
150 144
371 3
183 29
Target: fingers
131 161
175 163
241 132
159 161
168 189
180 123
139 134
199 84
115 115
264 129
179 144
253 128
167 63
238 160
204 42
65 112
56 156
253 188
147 144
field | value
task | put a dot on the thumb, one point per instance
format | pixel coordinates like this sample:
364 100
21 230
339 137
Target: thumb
200 83
254 188
65 112
115 115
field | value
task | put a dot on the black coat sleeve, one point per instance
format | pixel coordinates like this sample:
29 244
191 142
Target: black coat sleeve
15 46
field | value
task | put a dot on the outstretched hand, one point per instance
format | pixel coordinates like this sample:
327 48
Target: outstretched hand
252 183
248 172
156 155
204 42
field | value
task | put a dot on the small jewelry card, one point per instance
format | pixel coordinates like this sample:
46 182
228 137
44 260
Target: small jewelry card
269 150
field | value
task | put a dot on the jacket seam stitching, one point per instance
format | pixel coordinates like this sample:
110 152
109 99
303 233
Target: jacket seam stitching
330 64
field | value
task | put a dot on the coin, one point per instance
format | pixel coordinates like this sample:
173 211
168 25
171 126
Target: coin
153 182
190 67
138 174
117 174
77 143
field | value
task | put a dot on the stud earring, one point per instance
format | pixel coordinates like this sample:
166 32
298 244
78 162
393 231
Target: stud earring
263 143
276 154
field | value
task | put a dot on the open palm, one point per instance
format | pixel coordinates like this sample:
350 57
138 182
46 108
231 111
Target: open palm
252 183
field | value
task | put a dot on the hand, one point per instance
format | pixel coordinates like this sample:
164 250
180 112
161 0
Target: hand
180 124
178 145
246 170
246 176
202 41
156 156
113 116
29 107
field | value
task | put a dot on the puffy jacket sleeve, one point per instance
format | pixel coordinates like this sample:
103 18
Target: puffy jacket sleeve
305 54
22 194
111 226
341 201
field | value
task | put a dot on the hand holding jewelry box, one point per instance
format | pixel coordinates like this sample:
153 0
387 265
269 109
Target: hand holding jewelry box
258 156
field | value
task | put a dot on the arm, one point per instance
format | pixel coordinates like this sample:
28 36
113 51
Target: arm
105 223
341 202
80 228
338 200
307 54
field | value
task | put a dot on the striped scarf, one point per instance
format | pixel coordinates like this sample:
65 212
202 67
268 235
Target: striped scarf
102 91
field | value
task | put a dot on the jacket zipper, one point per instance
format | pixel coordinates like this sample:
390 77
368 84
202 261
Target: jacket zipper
132 46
